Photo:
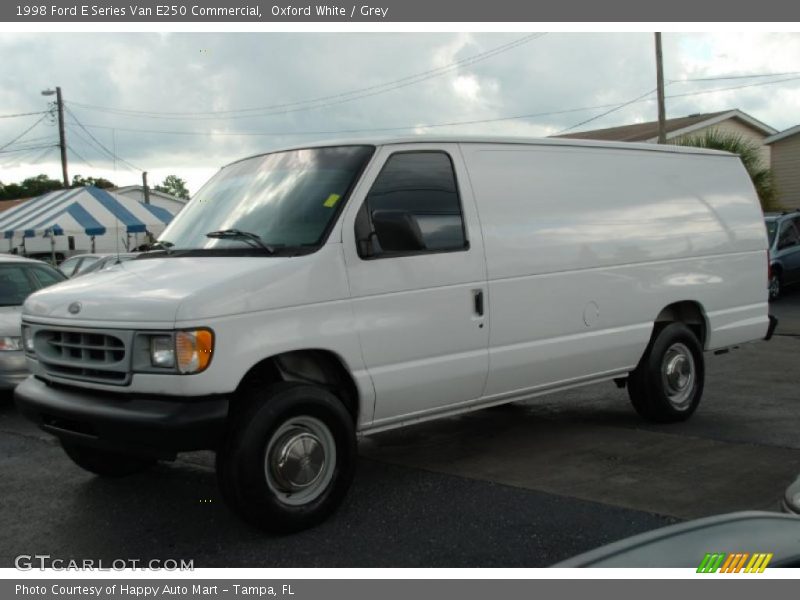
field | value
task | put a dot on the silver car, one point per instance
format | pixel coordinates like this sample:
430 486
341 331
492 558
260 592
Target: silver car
19 277
81 264
783 231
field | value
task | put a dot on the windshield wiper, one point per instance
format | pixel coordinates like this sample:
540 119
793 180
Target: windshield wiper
245 236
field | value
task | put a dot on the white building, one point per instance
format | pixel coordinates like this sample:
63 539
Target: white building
166 201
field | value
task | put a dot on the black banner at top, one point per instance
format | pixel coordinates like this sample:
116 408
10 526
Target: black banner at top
386 11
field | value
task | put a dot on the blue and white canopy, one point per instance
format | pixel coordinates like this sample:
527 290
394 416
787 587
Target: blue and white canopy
88 210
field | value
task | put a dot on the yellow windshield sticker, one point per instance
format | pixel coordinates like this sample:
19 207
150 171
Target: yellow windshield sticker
331 201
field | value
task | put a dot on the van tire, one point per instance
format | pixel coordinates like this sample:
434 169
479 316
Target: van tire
105 463
667 384
288 458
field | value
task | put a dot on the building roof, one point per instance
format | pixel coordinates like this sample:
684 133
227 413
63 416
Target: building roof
6 204
138 188
783 134
648 132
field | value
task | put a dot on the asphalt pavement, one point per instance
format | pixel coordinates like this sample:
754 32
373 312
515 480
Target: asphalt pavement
525 485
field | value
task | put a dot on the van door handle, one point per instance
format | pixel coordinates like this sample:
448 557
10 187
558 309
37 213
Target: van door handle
477 296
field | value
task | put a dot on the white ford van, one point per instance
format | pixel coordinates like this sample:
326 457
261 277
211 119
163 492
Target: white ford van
309 296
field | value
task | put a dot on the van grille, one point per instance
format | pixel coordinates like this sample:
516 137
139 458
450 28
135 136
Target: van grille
97 356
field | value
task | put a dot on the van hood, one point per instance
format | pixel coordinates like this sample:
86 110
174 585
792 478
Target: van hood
170 289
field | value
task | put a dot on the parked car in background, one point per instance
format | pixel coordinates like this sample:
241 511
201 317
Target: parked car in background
75 264
708 545
106 262
80 264
47 257
19 277
783 231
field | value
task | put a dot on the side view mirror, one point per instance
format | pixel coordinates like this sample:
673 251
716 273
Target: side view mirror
397 231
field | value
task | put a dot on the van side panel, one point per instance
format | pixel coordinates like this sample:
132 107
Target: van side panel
585 246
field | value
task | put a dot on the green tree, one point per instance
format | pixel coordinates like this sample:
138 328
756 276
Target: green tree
174 186
750 153
32 186
11 191
40 184
79 181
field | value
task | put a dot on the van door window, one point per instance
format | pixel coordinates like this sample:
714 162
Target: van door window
412 208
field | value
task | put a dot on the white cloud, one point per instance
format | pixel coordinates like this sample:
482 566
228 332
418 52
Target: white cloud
188 73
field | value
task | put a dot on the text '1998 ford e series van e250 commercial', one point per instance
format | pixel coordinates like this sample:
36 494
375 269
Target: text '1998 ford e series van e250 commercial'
309 296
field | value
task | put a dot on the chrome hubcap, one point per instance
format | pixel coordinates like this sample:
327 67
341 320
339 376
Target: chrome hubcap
299 460
678 375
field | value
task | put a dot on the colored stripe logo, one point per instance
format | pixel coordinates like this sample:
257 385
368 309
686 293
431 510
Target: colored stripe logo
734 562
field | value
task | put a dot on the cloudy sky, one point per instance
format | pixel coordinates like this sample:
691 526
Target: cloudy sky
179 103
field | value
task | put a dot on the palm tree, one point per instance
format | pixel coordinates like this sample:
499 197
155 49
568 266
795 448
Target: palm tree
750 153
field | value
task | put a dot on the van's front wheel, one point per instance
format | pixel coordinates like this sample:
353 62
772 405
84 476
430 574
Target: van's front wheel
289 457
667 384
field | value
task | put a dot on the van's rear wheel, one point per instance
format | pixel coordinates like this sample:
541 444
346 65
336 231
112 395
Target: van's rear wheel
103 462
289 457
667 384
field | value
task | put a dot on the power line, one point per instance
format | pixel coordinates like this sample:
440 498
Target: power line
28 114
17 160
322 101
28 153
42 156
27 148
608 112
737 87
643 98
697 93
100 144
76 133
21 135
78 155
726 77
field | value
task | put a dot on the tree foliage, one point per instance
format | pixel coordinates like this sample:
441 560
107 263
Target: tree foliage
174 186
42 184
750 153
101 182
32 186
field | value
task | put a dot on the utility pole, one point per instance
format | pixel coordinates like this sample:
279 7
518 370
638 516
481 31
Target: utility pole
662 126
62 137
145 188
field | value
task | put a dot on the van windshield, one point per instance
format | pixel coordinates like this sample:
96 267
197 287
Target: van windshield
288 199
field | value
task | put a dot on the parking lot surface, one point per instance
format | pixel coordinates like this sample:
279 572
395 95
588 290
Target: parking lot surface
524 485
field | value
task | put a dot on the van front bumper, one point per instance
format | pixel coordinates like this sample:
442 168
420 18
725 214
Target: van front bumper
156 426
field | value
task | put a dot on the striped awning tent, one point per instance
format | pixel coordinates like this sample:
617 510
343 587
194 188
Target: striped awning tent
88 210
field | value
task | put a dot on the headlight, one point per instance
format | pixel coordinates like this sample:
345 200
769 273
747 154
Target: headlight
27 338
10 343
162 351
193 350
189 351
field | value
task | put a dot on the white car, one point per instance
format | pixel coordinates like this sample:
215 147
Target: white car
308 296
19 277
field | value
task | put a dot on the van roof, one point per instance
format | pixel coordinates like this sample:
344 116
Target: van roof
427 139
